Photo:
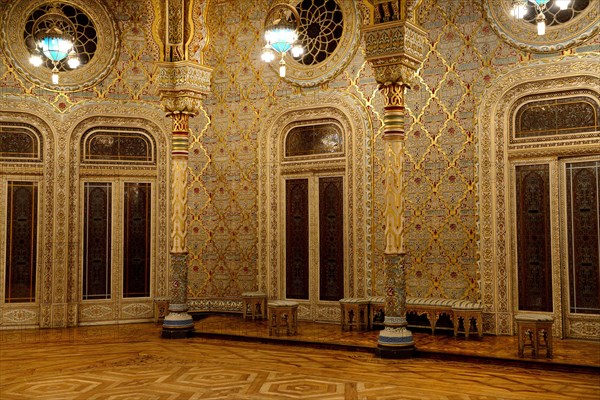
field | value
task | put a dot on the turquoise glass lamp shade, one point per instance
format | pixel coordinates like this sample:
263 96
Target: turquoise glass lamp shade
281 38
55 48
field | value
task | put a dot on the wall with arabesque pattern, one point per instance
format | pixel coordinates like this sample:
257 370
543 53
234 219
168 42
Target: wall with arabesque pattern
465 55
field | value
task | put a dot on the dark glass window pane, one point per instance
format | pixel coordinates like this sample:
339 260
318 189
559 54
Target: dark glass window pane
533 238
331 238
115 146
97 241
583 209
136 243
296 275
314 139
19 143
572 115
21 248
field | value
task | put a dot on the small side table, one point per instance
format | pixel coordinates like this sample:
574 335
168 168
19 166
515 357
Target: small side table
355 313
282 314
256 303
532 330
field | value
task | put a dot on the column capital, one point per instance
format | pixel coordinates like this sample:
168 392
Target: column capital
395 49
182 85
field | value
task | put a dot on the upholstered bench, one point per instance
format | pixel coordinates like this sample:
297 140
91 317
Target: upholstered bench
530 327
355 313
431 307
467 311
254 303
283 317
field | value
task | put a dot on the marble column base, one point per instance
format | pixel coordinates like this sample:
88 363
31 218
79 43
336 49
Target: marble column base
395 352
177 325
395 341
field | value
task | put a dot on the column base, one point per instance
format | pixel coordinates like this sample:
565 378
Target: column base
395 341
177 333
395 352
177 325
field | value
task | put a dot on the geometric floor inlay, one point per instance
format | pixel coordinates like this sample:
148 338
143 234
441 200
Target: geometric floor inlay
132 362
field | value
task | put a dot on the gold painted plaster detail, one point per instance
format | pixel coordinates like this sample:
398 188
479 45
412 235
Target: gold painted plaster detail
395 50
182 86
394 197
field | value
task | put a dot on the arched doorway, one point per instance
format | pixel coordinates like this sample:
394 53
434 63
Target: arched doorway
529 173
313 208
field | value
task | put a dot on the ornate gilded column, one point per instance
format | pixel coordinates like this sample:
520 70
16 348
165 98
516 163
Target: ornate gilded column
182 84
395 47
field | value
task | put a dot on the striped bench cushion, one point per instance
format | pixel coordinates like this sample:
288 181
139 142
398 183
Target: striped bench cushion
533 317
429 302
433 302
282 303
353 300
254 294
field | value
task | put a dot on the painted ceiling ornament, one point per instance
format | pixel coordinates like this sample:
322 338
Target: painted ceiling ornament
82 49
544 26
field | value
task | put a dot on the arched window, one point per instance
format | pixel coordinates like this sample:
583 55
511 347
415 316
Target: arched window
557 207
117 145
314 140
20 142
558 116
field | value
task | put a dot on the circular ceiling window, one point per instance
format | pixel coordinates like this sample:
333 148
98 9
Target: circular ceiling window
94 36
568 27
329 32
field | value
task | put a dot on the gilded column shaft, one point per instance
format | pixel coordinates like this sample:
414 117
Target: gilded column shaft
179 167
395 333
178 318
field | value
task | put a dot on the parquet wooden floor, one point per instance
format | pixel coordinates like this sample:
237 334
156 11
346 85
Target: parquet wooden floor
132 362
568 353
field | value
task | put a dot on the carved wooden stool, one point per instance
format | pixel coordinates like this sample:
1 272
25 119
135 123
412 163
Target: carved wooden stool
533 328
355 313
469 312
255 303
282 314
